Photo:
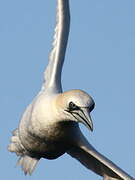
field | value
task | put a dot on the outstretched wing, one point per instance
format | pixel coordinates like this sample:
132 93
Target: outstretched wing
52 74
96 162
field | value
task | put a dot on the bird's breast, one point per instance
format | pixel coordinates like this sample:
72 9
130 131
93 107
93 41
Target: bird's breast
51 142
42 134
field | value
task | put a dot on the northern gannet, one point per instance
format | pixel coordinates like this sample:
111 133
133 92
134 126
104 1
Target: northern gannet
49 126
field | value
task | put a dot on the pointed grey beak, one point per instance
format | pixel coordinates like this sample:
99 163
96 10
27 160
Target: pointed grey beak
86 118
83 116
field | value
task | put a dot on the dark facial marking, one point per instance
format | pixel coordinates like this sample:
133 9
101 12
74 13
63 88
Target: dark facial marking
91 107
73 107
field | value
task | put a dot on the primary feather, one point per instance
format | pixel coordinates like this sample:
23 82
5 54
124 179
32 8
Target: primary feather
52 74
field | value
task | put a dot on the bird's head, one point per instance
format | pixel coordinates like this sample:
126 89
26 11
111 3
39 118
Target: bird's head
75 105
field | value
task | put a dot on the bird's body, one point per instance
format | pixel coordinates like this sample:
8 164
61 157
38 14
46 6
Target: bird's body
49 125
44 130
44 134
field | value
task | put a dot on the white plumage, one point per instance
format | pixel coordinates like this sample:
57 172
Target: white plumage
49 126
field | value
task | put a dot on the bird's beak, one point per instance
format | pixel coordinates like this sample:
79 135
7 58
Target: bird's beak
83 116
86 118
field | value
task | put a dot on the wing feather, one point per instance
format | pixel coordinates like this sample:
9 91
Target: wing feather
93 160
52 74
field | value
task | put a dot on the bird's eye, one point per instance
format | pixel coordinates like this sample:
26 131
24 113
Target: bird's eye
91 107
72 106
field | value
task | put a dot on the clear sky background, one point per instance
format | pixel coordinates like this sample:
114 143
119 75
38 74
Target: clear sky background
100 59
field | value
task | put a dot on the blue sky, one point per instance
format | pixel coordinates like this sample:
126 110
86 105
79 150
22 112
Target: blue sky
100 59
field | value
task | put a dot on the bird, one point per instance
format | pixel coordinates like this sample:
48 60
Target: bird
49 127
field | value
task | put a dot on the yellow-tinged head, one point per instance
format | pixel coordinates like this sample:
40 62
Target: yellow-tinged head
75 105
